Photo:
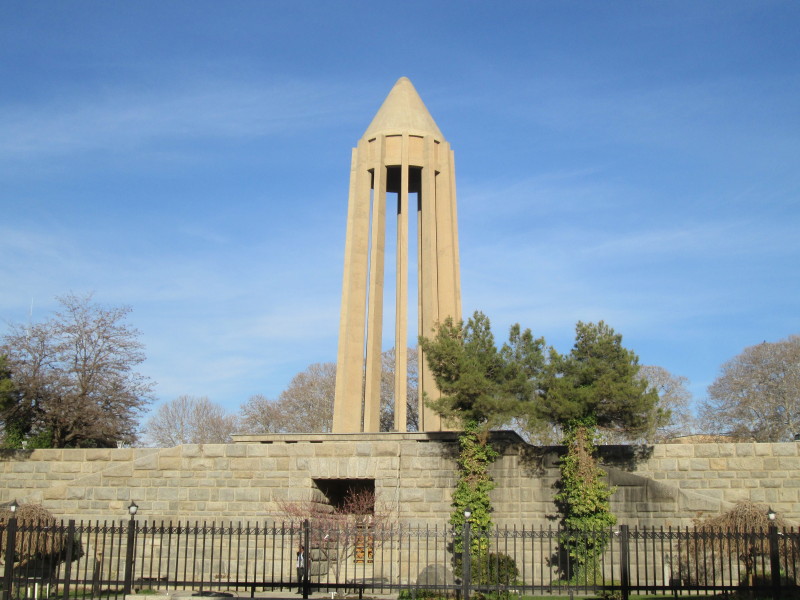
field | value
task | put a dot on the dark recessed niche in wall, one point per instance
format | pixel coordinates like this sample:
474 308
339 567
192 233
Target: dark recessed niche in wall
349 495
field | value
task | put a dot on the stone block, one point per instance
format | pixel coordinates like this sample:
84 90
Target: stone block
659 451
695 502
247 495
187 508
366 468
706 450
434 495
191 450
147 463
680 450
160 507
235 450
770 463
667 464
106 494
788 466
122 470
391 449
763 449
745 449
717 464
745 464
387 463
213 450
221 464
262 450
247 465
785 449
411 495
167 494
75 493
342 450
726 450
169 463
95 454
198 464
699 464
363 449
299 450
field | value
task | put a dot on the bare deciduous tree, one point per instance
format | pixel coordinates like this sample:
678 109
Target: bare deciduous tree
344 530
38 538
670 417
190 420
307 404
261 415
387 391
735 544
757 394
75 376
673 411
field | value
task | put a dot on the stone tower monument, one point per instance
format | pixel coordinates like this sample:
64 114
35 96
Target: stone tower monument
403 153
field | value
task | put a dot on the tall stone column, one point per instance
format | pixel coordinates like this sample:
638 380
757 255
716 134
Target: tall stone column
403 153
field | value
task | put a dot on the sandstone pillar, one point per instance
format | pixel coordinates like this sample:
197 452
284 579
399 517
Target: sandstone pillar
402 153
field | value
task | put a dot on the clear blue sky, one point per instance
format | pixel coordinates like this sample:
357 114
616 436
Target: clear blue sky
637 162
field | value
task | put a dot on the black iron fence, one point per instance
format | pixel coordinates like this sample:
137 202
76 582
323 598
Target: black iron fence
102 559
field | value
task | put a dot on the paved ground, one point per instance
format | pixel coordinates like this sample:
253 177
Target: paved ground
271 595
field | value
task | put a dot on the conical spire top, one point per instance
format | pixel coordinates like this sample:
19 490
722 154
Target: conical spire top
403 112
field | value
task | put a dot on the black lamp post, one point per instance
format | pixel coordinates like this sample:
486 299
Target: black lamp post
11 550
774 554
466 557
132 510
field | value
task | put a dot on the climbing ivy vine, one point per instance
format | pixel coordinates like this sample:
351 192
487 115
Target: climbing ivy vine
583 500
472 489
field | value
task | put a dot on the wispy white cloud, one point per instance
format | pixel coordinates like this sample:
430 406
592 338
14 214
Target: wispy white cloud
122 118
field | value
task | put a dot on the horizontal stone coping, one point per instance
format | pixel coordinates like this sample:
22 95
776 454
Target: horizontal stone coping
389 436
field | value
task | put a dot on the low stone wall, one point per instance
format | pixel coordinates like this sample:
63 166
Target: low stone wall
414 474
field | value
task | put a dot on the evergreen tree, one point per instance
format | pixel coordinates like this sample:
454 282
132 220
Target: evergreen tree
482 387
598 379
16 421
596 384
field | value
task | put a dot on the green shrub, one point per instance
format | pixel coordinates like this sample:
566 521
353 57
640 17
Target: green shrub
495 569
422 594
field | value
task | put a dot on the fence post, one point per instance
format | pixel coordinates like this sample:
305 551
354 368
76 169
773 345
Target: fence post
306 561
625 561
774 561
466 556
68 557
129 556
11 550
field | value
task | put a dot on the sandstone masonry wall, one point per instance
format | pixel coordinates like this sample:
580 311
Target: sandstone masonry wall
414 473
